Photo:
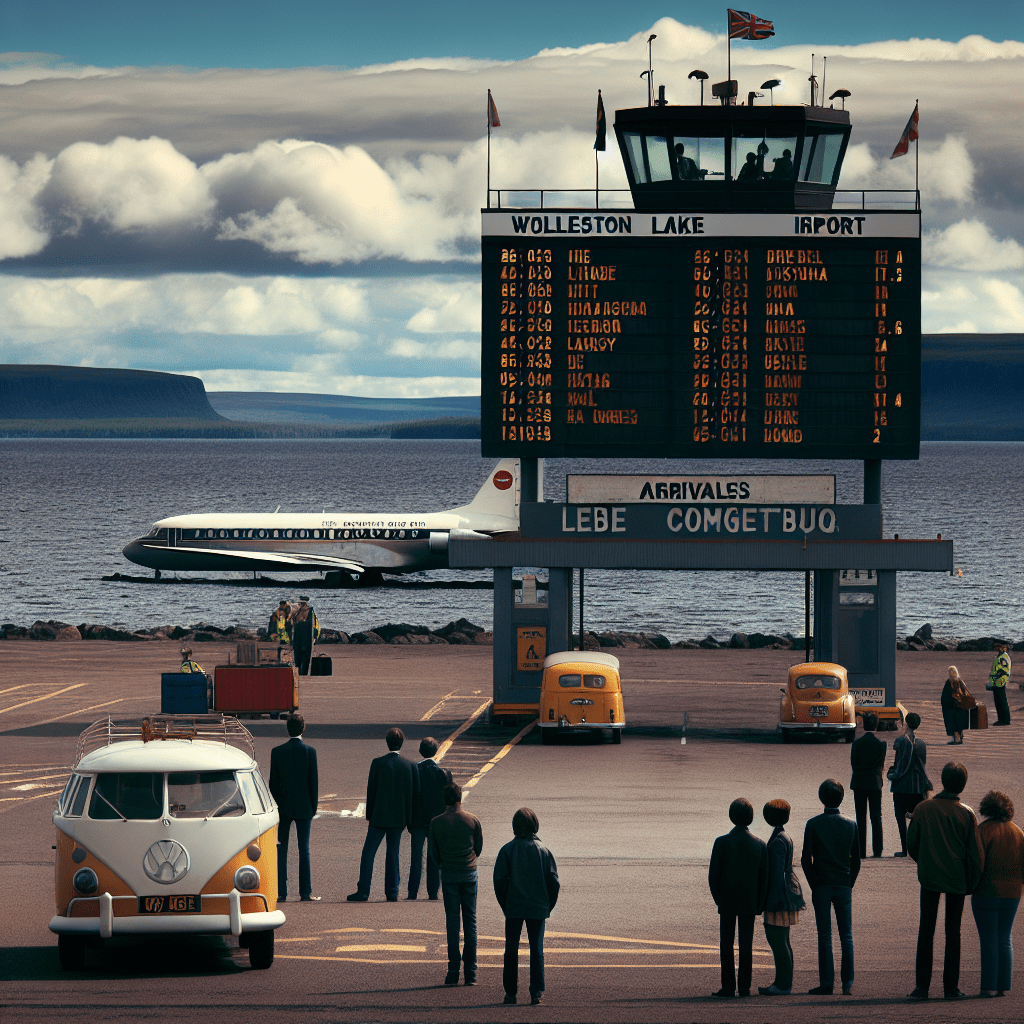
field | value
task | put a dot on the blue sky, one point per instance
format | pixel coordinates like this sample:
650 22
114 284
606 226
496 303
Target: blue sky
285 196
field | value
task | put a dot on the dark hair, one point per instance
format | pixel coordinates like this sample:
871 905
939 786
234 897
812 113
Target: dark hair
954 777
831 793
452 794
776 812
996 805
741 811
913 719
428 746
870 721
394 738
296 724
525 822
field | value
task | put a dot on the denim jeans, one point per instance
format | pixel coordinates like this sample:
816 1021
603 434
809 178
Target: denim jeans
302 829
535 933
728 923
865 801
374 837
460 896
418 836
926 939
824 898
994 918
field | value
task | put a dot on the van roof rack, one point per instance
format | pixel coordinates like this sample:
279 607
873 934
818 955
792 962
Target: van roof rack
212 728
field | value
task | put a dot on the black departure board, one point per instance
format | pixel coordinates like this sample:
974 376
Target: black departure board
685 336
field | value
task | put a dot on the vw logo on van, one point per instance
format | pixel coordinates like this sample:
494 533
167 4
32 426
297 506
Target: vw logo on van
166 861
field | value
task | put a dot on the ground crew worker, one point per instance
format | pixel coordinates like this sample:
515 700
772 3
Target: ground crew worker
305 631
997 680
187 664
280 621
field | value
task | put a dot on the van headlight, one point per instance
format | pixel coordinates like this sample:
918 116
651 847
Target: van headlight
86 882
247 878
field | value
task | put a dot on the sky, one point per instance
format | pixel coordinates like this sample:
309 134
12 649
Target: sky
285 196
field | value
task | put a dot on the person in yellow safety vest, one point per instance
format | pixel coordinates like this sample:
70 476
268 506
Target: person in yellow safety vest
187 664
997 680
279 630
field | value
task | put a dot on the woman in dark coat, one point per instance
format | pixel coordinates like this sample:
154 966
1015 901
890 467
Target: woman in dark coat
955 717
784 901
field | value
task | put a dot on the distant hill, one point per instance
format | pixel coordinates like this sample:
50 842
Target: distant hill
85 393
282 407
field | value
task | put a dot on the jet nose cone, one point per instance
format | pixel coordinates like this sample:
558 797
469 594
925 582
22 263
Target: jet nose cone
134 552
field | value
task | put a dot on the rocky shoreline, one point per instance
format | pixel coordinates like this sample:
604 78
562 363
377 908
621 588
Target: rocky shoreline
462 631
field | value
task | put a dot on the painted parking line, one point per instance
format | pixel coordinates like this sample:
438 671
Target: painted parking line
45 696
497 757
446 745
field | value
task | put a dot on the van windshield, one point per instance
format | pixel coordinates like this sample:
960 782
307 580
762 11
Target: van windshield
204 795
135 796
818 683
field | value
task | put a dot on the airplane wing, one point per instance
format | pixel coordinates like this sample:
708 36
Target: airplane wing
313 561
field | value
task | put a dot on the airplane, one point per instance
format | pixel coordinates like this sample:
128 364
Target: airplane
362 545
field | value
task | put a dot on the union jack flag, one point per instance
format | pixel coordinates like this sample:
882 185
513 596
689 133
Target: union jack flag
909 135
748 26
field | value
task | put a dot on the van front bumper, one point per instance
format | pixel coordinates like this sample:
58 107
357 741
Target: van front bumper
106 924
581 726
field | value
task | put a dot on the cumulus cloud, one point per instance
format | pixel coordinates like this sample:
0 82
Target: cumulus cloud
21 228
953 302
406 348
971 245
946 171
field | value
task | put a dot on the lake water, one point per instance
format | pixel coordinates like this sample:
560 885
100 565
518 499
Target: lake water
69 506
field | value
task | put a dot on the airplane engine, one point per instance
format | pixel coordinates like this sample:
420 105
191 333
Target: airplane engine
439 540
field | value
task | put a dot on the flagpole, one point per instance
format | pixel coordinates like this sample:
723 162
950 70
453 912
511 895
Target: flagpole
488 149
917 161
597 183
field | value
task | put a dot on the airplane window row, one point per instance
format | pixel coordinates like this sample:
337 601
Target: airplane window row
254 534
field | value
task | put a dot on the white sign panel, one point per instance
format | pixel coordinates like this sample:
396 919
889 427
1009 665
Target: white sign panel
620 224
742 489
869 697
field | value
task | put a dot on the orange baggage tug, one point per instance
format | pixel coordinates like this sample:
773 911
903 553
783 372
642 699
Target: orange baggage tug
166 827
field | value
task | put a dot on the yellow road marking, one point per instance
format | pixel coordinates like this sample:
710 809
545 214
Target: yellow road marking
497 757
443 749
37 778
381 949
92 707
46 696
569 967
437 707
26 799
619 938
411 931
11 689
338 931
311 938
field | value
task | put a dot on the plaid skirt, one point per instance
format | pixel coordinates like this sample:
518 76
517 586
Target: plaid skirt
781 918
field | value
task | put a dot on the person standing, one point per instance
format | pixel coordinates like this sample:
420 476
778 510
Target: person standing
995 901
738 879
956 704
997 680
944 840
187 664
429 804
295 786
305 630
456 840
526 886
279 627
908 780
867 758
831 862
391 791
784 900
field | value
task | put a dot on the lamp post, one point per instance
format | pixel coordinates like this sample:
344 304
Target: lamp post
650 71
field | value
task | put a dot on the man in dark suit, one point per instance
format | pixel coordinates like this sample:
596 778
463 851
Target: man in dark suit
867 758
294 785
738 879
391 792
831 862
429 804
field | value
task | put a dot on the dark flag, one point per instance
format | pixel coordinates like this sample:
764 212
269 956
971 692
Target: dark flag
493 120
909 135
602 124
748 26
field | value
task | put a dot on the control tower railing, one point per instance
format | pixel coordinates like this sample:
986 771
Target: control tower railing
621 199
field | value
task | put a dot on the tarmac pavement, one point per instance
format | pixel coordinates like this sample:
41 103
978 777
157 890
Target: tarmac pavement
635 933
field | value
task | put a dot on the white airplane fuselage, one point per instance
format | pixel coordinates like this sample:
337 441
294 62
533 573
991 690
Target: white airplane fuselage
351 542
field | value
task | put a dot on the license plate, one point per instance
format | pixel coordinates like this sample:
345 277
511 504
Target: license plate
818 711
170 904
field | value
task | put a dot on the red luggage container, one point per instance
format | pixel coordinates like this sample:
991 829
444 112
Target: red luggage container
256 689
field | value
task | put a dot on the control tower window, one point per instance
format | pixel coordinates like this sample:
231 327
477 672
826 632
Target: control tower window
658 159
821 153
763 158
634 147
697 158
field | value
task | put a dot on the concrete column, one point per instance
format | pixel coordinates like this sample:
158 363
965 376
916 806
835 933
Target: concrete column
887 634
559 605
504 635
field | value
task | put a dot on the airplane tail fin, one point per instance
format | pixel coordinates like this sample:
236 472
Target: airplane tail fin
496 505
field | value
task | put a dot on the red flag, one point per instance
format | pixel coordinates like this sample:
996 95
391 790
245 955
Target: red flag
909 135
493 121
748 26
602 124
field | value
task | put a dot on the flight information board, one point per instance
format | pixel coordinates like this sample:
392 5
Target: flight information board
773 335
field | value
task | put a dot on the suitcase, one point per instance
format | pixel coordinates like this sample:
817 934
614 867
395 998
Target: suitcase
979 717
321 665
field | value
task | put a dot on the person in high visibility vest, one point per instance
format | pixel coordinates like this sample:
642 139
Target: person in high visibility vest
187 664
280 626
997 680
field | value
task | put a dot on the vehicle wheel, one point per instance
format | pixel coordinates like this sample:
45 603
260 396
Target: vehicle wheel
547 737
243 940
261 949
616 735
71 950
787 736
